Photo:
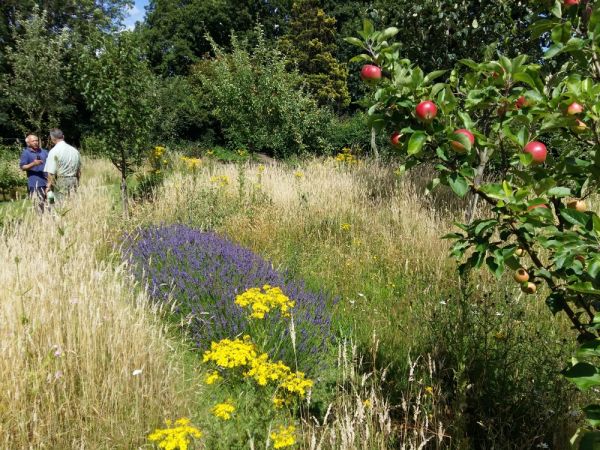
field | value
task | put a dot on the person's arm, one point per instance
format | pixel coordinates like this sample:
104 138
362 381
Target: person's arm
50 182
24 165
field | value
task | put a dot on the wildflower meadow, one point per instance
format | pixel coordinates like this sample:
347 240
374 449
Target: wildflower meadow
301 225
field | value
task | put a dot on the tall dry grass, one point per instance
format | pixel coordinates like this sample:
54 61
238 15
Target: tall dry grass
85 361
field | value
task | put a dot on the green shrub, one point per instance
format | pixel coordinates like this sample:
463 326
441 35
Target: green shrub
11 177
259 105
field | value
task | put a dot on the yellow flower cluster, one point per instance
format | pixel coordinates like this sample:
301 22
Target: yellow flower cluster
191 163
346 227
298 174
261 301
263 370
175 437
221 180
261 168
223 410
229 354
284 437
242 353
157 158
242 152
212 377
346 156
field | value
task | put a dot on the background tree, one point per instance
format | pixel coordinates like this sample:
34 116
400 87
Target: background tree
35 87
258 104
175 31
118 87
310 45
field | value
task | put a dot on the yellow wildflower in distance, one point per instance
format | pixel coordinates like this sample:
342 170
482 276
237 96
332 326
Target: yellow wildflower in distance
177 437
261 301
346 227
284 437
298 174
212 377
230 354
221 180
223 410
261 168
191 163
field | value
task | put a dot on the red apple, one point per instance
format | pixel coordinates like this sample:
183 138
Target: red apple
569 3
395 139
426 111
529 208
529 288
369 72
457 146
577 205
574 108
521 101
521 275
537 150
579 127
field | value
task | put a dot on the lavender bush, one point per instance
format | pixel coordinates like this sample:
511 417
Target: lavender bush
204 272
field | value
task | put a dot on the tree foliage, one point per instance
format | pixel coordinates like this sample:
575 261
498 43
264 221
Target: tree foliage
118 86
175 31
259 105
310 44
35 87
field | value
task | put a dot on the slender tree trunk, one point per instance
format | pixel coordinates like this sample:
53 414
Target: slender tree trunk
124 198
472 208
374 144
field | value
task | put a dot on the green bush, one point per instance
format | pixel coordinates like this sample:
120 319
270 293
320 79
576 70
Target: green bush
259 105
11 177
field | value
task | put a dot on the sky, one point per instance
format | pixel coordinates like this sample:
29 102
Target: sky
135 13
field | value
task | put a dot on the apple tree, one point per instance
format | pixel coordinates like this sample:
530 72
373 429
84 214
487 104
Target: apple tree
486 126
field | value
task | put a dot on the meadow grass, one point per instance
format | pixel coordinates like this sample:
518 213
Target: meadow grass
372 238
87 362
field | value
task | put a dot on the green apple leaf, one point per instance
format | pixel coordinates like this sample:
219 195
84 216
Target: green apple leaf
583 375
416 142
458 184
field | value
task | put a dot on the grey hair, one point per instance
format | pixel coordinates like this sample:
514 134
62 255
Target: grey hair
55 133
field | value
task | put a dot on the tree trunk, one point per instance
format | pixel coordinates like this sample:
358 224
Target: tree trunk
374 144
472 208
124 197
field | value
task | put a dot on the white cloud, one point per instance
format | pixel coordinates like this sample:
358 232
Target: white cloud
133 14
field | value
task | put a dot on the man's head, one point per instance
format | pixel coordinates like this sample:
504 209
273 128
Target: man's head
32 141
56 135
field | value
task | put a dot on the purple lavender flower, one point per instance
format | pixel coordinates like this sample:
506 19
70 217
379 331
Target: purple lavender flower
204 272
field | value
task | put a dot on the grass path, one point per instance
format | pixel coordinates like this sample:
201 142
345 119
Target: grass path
86 364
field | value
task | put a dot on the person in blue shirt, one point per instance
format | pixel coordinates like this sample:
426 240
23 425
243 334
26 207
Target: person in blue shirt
33 160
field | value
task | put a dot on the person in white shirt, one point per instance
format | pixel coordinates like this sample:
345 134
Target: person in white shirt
63 166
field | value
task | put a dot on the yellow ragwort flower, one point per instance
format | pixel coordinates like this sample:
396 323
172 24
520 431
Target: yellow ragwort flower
345 227
261 301
284 436
263 370
212 377
223 410
298 174
230 354
295 383
176 437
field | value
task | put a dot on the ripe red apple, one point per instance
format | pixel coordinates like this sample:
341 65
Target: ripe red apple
577 205
529 208
529 288
569 3
395 139
537 150
426 111
579 127
521 275
369 72
574 108
521 101
457 146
